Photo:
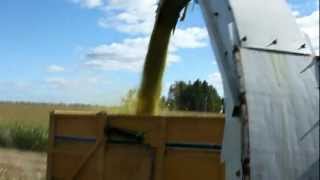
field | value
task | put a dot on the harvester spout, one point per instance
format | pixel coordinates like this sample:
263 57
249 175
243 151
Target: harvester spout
168 14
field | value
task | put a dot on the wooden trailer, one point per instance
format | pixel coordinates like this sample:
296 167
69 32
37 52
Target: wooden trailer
98 146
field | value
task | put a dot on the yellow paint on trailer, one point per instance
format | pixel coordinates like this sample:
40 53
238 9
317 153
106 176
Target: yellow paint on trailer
86 145
193 165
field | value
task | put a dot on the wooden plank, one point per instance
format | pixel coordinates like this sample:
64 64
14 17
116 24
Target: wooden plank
180 129
146 125
193 130
193 165
50 146
134 162
76 126
73 147
76 113
96 150
91 169
160 151
64 163
128 162
100 162
197 116
78 167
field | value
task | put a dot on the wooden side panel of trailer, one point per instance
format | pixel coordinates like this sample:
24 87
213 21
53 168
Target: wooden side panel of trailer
84 145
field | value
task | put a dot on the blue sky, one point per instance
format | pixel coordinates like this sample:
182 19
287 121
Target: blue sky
91 51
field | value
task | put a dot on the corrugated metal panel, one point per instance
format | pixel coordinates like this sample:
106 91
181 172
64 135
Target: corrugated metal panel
263 21
283 105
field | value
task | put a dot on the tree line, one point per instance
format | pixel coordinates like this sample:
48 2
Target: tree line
196 96
184 96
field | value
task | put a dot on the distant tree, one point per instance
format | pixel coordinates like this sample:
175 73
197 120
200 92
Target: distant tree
129 102
163 103
196 96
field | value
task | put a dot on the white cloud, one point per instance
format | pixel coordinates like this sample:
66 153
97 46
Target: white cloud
89 3
75 83
130 53
137 18
216 80
57 82
295 13
81 88
55 68
193 37
310 25
133 17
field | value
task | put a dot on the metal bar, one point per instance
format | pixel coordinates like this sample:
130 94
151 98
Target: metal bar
125 133
277 51
194 146
175 145
75 138
113 141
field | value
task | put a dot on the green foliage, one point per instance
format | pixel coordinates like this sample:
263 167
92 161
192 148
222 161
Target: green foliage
163 104
23 137
5 138
196 96
129 102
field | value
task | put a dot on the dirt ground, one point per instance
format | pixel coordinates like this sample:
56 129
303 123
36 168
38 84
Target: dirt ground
20 165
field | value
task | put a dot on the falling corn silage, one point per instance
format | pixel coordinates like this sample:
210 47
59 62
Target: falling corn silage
168 13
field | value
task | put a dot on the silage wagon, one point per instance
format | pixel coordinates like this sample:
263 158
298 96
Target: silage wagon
91 145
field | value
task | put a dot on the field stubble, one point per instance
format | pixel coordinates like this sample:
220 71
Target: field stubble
19 165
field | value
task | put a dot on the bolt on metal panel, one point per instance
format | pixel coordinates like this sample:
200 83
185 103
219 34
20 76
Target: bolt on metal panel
268 24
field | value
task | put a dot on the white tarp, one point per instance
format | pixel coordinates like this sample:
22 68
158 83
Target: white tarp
283 105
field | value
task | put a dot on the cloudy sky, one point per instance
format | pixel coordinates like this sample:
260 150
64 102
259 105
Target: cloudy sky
92 51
